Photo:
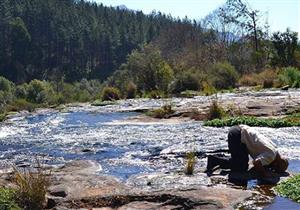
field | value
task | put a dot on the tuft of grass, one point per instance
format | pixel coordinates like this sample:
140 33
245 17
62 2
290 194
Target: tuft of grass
215 111
162 113
7 199
208 89
290 188
190 164
31 188
254 121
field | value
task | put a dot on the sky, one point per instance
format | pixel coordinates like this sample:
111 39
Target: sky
281 13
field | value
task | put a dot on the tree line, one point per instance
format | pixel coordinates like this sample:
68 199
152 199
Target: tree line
70 41
74 39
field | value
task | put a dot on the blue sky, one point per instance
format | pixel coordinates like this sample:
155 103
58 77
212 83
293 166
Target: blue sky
281 13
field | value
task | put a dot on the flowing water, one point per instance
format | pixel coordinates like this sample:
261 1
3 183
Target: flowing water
123 148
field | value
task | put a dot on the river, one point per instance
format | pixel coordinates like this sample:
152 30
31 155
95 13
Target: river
121 146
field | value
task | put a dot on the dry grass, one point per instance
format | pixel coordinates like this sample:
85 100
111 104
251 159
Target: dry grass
190 164
266 78
215 111
31 187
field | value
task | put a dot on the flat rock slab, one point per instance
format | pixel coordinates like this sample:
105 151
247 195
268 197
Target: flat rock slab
160 181
78 186
79 179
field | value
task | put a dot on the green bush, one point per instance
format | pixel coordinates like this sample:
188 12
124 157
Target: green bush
224 75
163 75
185 81
82 96
131 90
110 94
39 92
290 76
21 104
21 91
290 188
7 199
5 99
6 85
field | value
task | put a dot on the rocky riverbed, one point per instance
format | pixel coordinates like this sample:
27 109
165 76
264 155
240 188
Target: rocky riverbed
130 161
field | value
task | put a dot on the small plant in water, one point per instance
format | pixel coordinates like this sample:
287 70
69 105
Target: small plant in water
32 187
190 164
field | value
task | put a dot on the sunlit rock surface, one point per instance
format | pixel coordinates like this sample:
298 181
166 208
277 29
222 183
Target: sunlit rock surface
77 185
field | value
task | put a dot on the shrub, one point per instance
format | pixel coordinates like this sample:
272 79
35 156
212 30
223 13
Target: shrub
164 75
21 91
21 104
7 200
39 92
5 98
215 111
249 80
6 85
155 94
290 188
110 94
161 113
290 76
31 188
185 81
131 90
224 75
208 89
266 78
82 96
190 165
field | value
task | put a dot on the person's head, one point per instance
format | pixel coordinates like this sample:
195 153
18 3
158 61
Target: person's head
280 164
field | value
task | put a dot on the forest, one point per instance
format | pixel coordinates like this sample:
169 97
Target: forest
59 51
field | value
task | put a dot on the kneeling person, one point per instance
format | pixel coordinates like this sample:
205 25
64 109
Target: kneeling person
242 141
